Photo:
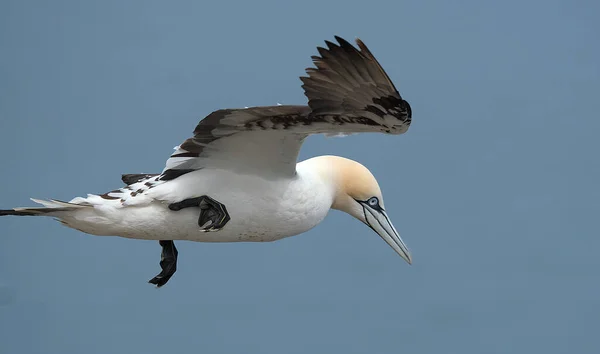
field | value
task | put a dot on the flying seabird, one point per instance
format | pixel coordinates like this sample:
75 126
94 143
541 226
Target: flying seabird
237 179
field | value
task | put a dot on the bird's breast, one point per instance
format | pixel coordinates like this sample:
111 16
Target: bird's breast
260 209
278 209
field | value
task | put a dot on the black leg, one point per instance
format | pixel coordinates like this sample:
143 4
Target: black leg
168 263
186 203
210 211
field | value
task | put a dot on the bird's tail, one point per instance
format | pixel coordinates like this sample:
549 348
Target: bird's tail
50 208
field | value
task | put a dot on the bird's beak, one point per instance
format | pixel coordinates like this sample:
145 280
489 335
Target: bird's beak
378 220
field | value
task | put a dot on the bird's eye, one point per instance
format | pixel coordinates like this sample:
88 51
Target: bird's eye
373 201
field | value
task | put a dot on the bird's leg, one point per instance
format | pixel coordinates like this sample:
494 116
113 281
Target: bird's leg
186 203
210 211
168 263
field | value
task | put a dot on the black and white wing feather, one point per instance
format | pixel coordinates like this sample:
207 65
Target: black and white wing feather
352 84
348 92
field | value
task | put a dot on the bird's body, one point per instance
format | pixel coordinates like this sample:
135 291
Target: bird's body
260 209
237 179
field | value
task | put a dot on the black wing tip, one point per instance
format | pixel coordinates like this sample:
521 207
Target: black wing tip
331 48
341 39
341 43
362 47
344 43
330 45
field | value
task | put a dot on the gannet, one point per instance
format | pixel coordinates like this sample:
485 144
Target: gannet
237 179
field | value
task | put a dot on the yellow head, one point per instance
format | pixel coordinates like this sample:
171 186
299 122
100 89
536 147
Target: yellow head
358 194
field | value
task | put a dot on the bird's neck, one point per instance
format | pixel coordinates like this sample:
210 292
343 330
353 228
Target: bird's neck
319 173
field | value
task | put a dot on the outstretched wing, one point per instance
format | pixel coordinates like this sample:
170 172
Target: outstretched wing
250 140
351 83
348 92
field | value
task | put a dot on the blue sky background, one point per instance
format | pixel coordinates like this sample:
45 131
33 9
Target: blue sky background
498 200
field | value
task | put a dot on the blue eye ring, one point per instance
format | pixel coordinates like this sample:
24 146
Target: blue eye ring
373 202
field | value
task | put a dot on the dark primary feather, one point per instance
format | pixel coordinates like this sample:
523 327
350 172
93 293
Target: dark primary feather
350 82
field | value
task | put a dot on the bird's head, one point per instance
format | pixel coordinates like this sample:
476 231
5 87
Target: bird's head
358 194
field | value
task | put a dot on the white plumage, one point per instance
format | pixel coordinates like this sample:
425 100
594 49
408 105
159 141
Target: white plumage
240 173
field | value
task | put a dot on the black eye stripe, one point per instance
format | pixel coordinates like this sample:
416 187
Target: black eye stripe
372 202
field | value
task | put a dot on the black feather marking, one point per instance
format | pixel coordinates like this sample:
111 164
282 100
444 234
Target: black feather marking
375 110
14 212
186 154
171 174
132 178
31 211
110 197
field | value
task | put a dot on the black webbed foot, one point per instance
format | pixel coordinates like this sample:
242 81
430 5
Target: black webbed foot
214 212
213 215
168 263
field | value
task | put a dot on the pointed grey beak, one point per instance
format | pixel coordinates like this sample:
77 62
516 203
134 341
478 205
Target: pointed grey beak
378 220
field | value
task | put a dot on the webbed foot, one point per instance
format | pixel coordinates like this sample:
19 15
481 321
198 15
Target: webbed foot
168 263
213 214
